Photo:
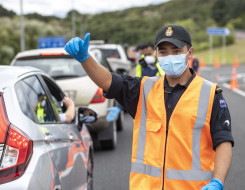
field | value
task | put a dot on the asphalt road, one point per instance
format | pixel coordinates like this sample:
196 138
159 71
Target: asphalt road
111 171
112 168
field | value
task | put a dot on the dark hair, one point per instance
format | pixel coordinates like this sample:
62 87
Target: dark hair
149 44
140 47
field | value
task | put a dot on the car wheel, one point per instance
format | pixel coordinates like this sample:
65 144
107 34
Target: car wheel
120 121
110 144
90 172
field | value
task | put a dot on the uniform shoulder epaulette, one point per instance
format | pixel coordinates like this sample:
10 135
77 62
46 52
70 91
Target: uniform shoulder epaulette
218 89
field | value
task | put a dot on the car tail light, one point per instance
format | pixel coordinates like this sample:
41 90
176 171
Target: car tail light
98 97
48 54
15 149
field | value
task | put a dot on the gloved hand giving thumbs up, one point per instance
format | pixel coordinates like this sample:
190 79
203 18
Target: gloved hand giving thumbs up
78 48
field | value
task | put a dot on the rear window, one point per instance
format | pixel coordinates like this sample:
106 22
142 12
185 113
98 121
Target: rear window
110 53
55 67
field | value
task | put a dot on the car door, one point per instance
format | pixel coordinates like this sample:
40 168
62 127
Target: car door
59 138
72 168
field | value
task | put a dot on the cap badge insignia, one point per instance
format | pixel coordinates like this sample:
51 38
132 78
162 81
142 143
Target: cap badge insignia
169 31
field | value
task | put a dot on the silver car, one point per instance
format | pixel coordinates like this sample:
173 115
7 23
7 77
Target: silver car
38 154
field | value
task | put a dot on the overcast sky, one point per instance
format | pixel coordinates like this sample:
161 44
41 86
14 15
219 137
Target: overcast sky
61 7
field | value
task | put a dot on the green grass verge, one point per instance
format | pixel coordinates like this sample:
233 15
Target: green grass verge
236 49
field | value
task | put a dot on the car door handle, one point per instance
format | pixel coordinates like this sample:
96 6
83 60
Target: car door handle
71 137
49 138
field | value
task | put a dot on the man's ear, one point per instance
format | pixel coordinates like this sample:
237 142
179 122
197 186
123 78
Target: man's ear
190 55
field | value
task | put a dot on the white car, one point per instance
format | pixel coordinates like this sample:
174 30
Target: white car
73 80
115 55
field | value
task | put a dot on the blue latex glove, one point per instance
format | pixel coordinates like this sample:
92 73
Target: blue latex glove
114 111
78 48
214 184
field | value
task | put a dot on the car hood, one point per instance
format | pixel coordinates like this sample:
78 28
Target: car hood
116 63
83 89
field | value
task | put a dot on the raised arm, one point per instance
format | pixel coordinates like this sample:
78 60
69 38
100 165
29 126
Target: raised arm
99 74
78 49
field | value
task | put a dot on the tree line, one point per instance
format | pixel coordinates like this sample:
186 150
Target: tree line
130 26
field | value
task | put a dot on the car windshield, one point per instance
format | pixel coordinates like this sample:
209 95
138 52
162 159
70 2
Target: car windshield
55 67
110 53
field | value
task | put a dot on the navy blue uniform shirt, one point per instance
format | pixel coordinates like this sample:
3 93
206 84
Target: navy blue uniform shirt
126 90
147 71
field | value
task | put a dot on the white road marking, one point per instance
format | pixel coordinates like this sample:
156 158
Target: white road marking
242 93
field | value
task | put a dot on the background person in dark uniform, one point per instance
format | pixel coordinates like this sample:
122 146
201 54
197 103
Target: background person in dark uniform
171 40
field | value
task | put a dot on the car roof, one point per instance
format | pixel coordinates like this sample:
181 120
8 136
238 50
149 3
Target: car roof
106 46
37 52
9 74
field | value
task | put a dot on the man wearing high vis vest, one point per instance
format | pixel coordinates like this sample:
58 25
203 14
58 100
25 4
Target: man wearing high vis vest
182 136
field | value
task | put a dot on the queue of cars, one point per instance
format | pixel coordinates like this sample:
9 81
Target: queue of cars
46 154
73 80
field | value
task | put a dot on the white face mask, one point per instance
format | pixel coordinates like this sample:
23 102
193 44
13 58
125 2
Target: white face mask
173 65
149 59
43 103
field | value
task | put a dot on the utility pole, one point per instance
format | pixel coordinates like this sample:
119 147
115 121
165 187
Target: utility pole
22 29
82 26
73 20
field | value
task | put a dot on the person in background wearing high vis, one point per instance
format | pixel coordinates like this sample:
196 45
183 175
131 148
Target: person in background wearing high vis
40 108
182 130
147 65
42 112
139 51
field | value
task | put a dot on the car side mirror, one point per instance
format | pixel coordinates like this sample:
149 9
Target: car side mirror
86 115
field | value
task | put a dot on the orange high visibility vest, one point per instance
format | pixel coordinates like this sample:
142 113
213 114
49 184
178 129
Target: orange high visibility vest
186 148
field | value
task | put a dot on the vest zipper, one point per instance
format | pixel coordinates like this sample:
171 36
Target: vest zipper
165 155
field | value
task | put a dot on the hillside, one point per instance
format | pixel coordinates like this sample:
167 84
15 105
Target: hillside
130 26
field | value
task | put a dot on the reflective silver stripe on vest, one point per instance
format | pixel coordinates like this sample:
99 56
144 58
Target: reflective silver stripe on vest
138 166
146 169
192 175
196 174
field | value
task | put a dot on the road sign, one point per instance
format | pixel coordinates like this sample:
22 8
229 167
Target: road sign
218 31
51 42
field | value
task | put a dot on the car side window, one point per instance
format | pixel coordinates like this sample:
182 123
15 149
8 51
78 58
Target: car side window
39 100
23 102
112 53
55 95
